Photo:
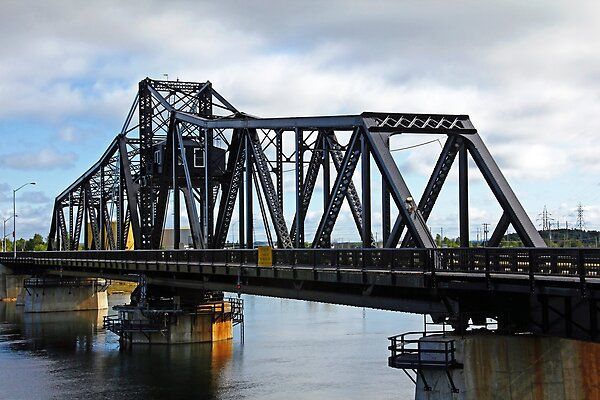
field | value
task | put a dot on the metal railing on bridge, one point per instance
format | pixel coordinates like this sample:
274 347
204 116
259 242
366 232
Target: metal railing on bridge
582 263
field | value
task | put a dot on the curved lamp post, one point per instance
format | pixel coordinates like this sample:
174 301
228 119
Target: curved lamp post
15 216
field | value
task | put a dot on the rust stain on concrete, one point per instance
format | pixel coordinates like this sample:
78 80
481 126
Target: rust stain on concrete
589 353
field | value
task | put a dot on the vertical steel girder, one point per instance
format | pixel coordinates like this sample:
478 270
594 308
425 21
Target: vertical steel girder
70 241
366 191
121 234
279 164
249 197
299 184
503 192
263 171
146 189
463 194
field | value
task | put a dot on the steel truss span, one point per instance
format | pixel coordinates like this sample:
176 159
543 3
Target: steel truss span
183 141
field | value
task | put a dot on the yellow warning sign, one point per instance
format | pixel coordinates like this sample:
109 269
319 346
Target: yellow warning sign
265 256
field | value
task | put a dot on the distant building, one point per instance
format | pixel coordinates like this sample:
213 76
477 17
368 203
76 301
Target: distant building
185 238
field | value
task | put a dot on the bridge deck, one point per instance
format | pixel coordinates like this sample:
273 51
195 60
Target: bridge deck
558 289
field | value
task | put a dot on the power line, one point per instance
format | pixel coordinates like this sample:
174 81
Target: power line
418 145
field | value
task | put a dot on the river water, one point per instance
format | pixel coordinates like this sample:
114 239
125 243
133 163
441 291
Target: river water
291 350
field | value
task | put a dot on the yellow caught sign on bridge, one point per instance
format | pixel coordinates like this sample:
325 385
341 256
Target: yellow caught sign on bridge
265 256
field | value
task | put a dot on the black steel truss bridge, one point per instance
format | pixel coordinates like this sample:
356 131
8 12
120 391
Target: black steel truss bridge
185 149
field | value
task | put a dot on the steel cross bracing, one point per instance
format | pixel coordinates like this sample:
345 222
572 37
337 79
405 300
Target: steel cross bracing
184 141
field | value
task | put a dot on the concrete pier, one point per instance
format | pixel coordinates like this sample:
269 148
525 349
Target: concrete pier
210 322
54 294
516 367
158 317
11 285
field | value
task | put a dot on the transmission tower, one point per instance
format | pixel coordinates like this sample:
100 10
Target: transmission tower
580 220
545 219
486 230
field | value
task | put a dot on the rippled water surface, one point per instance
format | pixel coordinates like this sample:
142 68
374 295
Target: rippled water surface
292 350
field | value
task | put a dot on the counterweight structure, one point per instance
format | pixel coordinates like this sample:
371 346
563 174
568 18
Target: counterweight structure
186 141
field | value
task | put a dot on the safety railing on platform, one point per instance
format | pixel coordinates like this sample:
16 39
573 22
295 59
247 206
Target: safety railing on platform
120 326
419 350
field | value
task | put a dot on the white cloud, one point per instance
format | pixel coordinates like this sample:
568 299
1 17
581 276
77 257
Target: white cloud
41 160
526 72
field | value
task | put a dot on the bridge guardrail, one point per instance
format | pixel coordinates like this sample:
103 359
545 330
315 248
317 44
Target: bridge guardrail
583 263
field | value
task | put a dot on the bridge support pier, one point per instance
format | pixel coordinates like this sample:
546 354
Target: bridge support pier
156 316
11 284
55 294
492 366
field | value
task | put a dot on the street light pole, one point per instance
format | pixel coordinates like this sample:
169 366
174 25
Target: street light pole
4 233
15 216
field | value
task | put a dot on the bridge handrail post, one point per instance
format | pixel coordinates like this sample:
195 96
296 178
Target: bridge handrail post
488 276
531 263
430 258
582 272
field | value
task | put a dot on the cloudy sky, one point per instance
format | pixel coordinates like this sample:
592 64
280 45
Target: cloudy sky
527 73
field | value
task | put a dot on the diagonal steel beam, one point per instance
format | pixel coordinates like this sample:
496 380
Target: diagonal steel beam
96 243
264 174
230 188
499 231
108 229
52 234
337 156
64 241
131 190
503 192
310 181
78 221
165 180
192 211
398 188
339 191
432 190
